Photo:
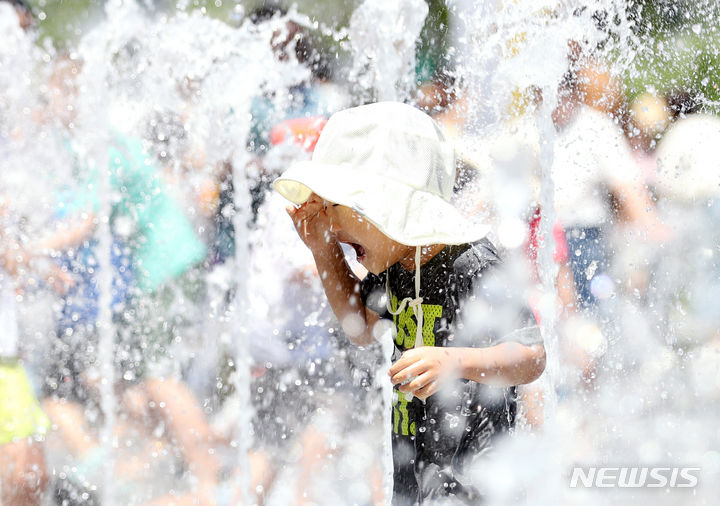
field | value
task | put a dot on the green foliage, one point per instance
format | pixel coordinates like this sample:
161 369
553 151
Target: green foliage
64 20
432 47
683 61
679 49
678 40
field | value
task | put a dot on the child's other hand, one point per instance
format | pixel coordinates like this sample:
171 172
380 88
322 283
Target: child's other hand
423 370
312 223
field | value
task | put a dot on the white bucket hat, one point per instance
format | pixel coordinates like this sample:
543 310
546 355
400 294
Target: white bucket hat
390 163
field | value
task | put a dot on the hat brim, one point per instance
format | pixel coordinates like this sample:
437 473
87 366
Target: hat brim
408 215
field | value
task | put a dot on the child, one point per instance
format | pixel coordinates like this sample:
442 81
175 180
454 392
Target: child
23 473
381 180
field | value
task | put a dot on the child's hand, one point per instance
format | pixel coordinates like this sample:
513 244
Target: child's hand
422 370
313 223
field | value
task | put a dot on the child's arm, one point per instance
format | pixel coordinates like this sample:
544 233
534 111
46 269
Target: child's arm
342 287
505 364
16 260
68 234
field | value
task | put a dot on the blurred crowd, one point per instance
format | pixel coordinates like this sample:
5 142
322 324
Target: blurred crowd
202 261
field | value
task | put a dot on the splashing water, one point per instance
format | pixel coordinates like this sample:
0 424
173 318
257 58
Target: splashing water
650 397
383 36
627 413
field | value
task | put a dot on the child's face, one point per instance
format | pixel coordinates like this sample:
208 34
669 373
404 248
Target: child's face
375 251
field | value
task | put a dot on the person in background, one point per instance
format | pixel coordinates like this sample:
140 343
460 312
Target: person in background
684 281
23 424
153 246
597 184
648 118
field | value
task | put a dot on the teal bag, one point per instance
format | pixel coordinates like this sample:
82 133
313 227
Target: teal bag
164 244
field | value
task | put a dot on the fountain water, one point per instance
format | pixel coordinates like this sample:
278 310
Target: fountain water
611 425
650 403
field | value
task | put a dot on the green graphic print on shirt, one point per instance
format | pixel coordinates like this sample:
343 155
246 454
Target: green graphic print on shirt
446 281
405 339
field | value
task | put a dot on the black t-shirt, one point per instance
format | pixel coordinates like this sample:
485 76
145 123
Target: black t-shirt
435 441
